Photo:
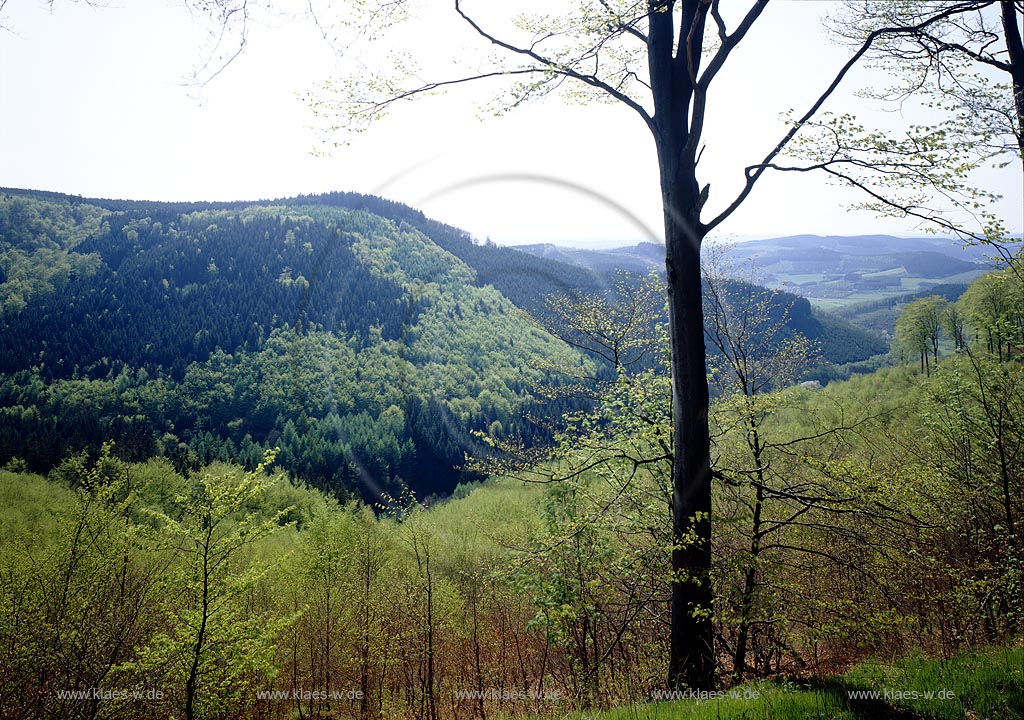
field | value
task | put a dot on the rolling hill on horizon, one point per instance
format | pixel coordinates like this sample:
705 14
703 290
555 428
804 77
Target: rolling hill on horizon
926 257
835 271
861 280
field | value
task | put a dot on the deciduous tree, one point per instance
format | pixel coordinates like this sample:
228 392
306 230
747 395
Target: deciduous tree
919 328
213 645
660 58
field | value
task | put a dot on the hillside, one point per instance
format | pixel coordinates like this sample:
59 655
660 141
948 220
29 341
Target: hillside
836 271
523 278
840 341
880 315
317 344
640 258
855 284
106 573
213 331
364 338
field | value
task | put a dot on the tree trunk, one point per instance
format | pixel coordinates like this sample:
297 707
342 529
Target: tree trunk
429 577
193 674
673 64
1015 55
364 650
475 597
692 659
739 660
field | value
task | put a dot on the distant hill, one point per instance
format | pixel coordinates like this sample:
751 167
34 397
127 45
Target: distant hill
641 258
527 273
864 245
834 271
840 341
829 270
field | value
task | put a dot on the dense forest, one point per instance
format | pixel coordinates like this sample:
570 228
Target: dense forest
299 459
364 340
362 349
323 457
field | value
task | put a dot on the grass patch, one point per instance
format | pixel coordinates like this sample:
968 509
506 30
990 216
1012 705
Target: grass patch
756 701
989 684
983 685
831 303
899 270
799 278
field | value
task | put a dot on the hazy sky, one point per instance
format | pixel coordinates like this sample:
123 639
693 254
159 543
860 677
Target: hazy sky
94 103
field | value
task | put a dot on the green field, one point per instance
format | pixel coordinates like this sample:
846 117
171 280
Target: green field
833 303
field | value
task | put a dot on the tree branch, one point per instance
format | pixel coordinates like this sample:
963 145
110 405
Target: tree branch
754 172
558 68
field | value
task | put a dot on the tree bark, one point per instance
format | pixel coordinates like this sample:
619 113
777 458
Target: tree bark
750 585
674 68
692 659
364 650
1015 53
193 674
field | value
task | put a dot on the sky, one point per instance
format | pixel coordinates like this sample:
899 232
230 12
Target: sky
96 102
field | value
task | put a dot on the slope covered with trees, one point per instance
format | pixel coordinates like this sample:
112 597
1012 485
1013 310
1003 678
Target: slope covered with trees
363 349
365 339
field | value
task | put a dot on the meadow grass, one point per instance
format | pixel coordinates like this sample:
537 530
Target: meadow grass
987 684
982 685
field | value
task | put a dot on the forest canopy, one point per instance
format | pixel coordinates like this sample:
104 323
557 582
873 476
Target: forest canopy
365 340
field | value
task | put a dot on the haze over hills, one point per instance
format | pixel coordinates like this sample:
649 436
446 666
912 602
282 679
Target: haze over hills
862 278
835 271
643 257
866 279
906 263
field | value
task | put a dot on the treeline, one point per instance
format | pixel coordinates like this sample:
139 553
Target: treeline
988 316
521 277
880 315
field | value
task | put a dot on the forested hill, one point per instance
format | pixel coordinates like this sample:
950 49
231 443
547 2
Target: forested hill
526 274
522 277
363 338
205 331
